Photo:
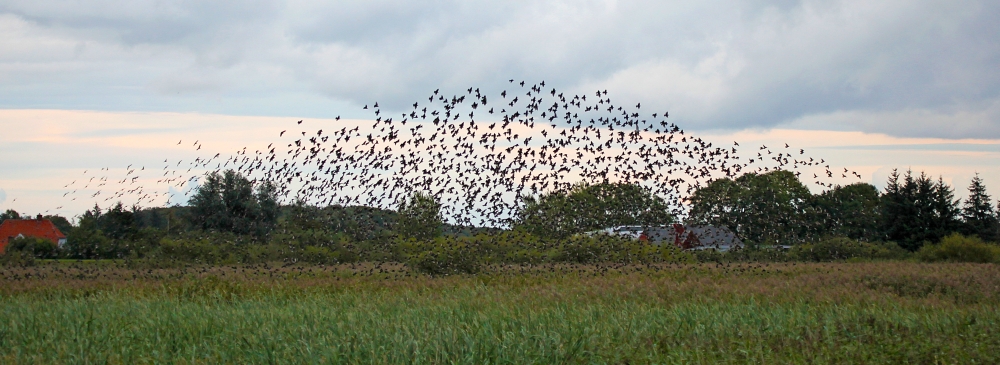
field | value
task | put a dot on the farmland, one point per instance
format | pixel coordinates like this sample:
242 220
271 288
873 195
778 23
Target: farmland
864 312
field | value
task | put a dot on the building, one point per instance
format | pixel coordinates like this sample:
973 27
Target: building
693 237
687 237
38 228
633 232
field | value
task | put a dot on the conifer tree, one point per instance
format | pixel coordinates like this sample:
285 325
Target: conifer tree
917 210
978 215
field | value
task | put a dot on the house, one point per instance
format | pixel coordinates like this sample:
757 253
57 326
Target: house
687 237
694 237
39 228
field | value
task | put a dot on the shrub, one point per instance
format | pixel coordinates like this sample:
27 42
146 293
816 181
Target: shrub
34 247
442 256
17 258
674 254
959 248
885 251
759 254
843 248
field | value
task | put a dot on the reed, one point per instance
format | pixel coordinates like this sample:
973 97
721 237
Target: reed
893 312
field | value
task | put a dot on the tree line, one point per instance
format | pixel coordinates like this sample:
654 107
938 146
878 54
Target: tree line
232 218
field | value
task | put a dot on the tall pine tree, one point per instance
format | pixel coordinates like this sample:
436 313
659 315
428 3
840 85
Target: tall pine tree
977 213
917 210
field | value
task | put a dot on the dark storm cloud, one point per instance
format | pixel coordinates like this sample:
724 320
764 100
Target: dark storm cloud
713 64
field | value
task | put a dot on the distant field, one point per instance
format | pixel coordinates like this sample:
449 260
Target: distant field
893 312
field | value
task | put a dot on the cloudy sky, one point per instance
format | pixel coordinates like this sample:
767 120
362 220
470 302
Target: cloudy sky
874 85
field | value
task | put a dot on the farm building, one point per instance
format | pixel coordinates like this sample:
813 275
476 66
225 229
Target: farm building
38 228
688 237
694 237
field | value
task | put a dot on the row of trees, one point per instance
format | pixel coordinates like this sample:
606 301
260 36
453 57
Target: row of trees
770 208
775 208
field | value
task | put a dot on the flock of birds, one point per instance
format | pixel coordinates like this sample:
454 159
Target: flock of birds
478 154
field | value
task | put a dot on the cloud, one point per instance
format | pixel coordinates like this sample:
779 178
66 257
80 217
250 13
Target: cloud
714 64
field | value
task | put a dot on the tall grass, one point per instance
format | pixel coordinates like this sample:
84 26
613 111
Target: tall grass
786 313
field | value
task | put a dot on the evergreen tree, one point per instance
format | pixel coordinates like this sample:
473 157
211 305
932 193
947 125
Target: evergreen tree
917 210
978 215
230 202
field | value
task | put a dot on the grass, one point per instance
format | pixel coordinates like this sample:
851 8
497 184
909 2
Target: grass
890 312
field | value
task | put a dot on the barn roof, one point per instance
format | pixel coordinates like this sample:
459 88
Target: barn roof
40 228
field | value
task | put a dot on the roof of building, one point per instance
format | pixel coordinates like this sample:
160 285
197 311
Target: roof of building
715 235
40 228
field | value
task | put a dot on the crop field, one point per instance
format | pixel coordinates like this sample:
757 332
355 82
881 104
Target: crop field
834 313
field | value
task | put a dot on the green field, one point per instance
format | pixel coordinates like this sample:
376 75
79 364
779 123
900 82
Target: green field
890 312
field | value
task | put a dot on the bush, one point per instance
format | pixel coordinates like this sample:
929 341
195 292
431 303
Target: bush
442 256
34 247
217 248
959 248
759 254
843 248
675 255
885 251
17 258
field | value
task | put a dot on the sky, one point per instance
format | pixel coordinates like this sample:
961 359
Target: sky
871 85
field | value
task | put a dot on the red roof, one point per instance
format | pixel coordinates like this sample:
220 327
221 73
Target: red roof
39 228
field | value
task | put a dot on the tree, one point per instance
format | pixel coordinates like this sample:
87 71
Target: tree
851 211
9 214
917 210
102 234
586 207
978 216
229 202
60 222
419 217
770 208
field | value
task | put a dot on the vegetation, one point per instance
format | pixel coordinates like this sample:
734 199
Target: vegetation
236 278
693 313
235 221
770 208
229 202
918 210
420 217
592 207
958 248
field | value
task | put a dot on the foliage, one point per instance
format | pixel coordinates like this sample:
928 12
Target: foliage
229 202
9 214
419 217
841 313
586 207
851 211
843 248
977 213
917 210
102 234
361 223
442 256
959 248
306 233
769 208
39 248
